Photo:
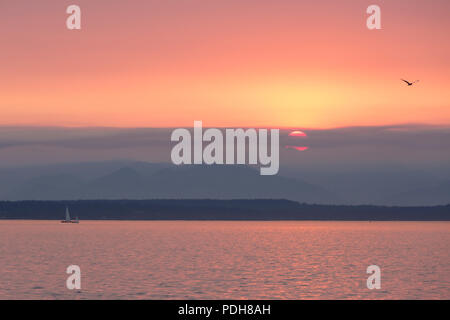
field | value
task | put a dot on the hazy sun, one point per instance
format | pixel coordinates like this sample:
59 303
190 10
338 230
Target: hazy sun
297 133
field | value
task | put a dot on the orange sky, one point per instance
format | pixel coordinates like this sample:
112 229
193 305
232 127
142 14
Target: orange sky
228 63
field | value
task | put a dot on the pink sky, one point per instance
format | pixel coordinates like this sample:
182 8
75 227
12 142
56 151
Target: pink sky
228 63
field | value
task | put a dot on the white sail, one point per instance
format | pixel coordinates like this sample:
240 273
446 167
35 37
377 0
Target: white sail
67 214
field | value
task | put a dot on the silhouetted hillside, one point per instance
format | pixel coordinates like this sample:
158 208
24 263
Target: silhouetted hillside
213 210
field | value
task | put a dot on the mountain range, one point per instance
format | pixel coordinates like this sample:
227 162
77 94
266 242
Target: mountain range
142 180
160 181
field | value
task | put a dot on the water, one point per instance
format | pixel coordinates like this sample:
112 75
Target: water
224 260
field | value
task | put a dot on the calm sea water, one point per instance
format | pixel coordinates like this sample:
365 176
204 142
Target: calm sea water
224 260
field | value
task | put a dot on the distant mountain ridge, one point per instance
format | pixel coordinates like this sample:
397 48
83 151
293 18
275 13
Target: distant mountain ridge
181 182
143 180
423 196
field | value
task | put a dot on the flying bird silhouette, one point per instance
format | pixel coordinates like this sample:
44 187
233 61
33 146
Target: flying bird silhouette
409 83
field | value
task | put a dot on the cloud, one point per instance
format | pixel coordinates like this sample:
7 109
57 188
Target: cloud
400 136
398 143
83 138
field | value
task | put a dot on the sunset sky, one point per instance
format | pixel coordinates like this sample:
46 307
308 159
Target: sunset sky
299 64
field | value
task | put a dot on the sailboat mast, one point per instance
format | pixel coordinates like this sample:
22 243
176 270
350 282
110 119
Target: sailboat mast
67 214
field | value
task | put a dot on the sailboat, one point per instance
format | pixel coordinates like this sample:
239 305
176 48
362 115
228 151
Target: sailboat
68 220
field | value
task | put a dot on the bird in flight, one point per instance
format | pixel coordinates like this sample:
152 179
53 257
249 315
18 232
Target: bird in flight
409 83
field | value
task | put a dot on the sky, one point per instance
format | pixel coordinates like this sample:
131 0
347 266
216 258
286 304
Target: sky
285 63
417 147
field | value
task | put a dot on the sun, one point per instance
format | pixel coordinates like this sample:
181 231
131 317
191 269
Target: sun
294 144
297 133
